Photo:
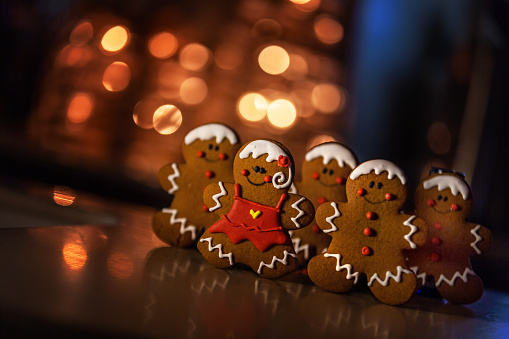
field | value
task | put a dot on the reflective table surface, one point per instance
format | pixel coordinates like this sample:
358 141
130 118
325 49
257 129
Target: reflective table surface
113 278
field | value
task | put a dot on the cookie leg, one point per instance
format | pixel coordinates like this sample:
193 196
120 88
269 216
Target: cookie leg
215 248
327 271
172 229
278 262
462 292
393 288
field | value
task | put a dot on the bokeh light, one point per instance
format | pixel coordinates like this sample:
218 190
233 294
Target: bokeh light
439 138
252 107
297 69
319 139
80 107
63 195
194 57
74 56
120 265
281 113
143 112
115 39
75 255
81 33
193 91
167 119
327 98
163 45
328 30
228 56
116 76
274 60
307 6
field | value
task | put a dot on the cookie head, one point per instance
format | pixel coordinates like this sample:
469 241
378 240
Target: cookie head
209 144
377 183
328 165
444 195
265 166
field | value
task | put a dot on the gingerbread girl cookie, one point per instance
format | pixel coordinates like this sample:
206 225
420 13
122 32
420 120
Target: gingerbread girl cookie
444 200
208 151
369 235
324 173
256 212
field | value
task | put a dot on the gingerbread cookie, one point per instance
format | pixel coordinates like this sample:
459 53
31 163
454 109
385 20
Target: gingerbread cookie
256 212
208 152
444 200
369 235
324 173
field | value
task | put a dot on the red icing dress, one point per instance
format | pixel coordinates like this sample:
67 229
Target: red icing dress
251 221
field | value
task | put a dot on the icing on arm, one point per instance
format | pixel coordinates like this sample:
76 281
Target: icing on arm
171 178
331 218
217 196
413 230
295 205
478 238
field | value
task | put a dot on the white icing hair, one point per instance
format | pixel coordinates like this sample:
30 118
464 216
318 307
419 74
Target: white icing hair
209 131
330 151
379 166
260 147
444 181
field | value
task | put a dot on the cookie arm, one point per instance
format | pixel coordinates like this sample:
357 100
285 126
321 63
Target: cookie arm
480 238
169 176
414 230
218 197
326 216
297 212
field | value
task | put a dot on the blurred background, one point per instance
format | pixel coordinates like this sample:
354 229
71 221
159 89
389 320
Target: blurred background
96 96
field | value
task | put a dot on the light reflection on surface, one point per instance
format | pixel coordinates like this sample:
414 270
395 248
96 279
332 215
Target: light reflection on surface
252 107
63 195
80 107
120 265
82 33
193 91
75 255
319 139
194 57
274 60
328 30
327 98
115 39
439 138
163 45
281 113
167 119
116 76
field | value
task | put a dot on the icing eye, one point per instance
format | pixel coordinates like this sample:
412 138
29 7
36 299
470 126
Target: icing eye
262 170
331 172
371 184
445 199
217 148
324 171
211 146
439 197
379 185
257 169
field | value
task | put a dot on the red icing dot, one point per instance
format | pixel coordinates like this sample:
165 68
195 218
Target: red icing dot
437 225
315 175
435 257
369 232
222 156
371 215
200 154
340 180
204 208
267 178
431 203
317 229
454 207
436 241
367 251
321 200
209 174
389 196
244 172
361 192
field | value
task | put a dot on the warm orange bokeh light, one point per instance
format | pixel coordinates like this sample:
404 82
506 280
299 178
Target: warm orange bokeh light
143 113
81 33
319 139
439 138
228 56
298 68
75 255
194 57
63 195
80 107
115 39
327 98
74 56
328 30
252 107
163 45
193 91
274 60
281 113
300 2
307 5
167 119
116 76
120 265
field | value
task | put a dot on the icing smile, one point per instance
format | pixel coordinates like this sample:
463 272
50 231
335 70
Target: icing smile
374 202
210 160
252 183
442 212
324 184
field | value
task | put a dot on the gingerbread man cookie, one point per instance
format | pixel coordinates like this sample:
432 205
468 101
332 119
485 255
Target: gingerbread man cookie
369 235
444 200
256 212
208 151
324 173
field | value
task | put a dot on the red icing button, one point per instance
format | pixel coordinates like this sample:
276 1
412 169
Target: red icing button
321 200
315 175
267 178
437 225
222 156
340 180
436 241
361 192
371 215
435 257
431 203
244 172
369 232
454 207
317 229
200 154
367 251
209 174
389 196
204 208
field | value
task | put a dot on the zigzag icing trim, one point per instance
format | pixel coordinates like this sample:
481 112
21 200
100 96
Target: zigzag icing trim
413 230
421 276
296 241
478 238
295 205
330 219
219 247
272 265
347 267
217 196
172 177
183 228
456 275
388 275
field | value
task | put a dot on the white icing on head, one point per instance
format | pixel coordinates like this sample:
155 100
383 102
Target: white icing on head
379 166
452 182
331 150
209 131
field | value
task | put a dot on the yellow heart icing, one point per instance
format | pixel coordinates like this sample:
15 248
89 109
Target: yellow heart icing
255 214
